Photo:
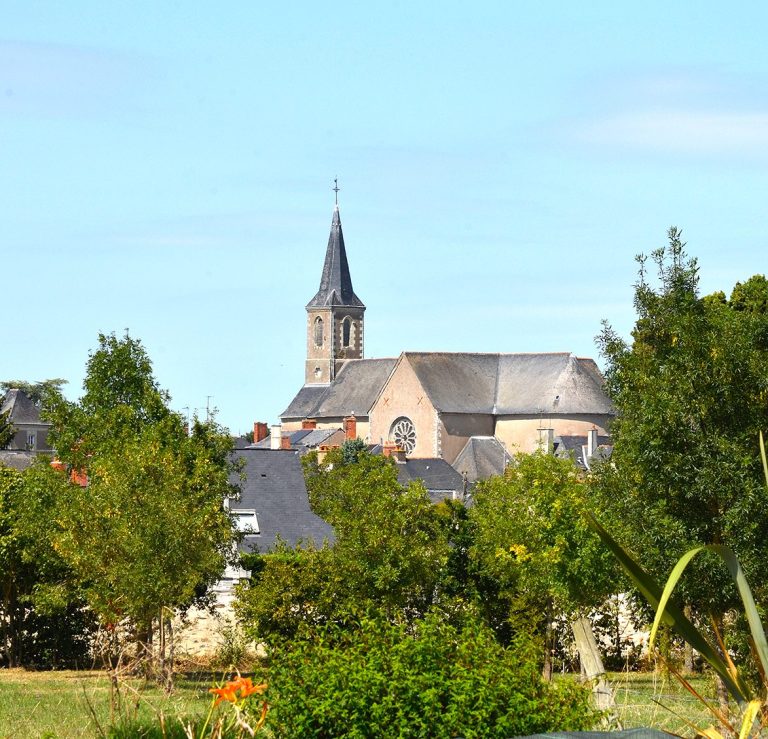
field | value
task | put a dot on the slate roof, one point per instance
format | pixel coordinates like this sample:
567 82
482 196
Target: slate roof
306 401
482 457
575 447
510 384
353 392
23 410
17 459
335 282
304 440
274 487
439 478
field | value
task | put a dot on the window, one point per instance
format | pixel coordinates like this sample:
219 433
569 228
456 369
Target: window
346 331
246 521
403 434
31 439
318 331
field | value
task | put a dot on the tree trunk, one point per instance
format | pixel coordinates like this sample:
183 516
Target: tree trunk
592 663
161 634
546 670
169 686
687 648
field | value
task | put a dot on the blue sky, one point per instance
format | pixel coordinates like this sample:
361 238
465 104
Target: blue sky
167 167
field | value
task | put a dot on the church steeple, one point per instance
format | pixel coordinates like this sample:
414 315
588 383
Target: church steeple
334 315
335 282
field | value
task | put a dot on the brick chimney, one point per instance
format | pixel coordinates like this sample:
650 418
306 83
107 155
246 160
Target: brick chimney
285 442
350 428
391 449
260 431
308 424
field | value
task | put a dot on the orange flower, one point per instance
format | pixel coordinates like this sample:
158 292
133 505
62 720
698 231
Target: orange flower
248 688
227 693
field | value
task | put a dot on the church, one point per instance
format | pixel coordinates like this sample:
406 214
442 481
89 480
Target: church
462 407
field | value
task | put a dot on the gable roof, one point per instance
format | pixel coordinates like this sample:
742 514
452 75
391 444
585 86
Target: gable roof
274 488
510 384
23 410
482 457
439 478
353 391
335 282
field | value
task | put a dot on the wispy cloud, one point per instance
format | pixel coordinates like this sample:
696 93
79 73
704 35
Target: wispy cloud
688 112
682 131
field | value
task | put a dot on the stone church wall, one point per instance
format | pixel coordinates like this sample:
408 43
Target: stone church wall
521 433
404 397
456 428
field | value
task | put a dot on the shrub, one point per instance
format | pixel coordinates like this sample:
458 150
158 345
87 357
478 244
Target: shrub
434 680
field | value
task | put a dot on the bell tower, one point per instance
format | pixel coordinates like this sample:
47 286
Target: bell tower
334 315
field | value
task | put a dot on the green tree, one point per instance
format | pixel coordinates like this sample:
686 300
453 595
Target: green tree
429 679
149 531
532 537
690 391
42 619
390 551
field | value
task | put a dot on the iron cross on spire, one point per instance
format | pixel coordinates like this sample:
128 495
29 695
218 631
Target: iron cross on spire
336 188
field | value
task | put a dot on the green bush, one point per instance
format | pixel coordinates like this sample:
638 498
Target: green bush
432 680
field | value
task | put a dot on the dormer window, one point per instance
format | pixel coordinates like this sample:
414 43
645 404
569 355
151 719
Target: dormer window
246 521
318 331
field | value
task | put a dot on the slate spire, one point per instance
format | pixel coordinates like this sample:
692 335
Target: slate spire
335 282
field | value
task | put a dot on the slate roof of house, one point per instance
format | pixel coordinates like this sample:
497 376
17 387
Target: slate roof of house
575 447
482 457
510 384
304 440
335 282
17 459
439 478
274 487
23 410
353 391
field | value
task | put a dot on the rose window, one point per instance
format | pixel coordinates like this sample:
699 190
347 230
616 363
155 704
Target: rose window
403 434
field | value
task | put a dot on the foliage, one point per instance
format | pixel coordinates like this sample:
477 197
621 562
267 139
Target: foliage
149 532
690 392
38 391
435 679
350 450
389 553
6 429
533 538
42 619
717 657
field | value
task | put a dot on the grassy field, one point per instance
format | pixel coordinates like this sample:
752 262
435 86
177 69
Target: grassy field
68 705
646 699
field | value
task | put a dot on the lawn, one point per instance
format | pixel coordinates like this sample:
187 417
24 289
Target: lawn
67 704
646 699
